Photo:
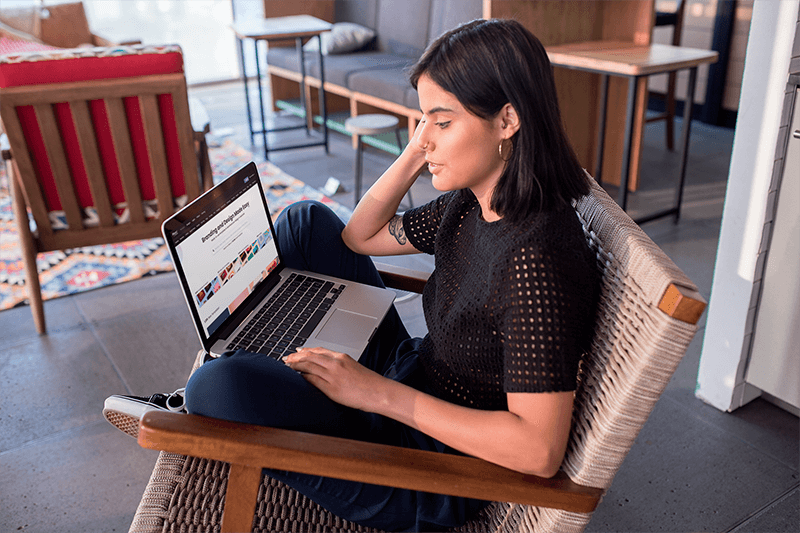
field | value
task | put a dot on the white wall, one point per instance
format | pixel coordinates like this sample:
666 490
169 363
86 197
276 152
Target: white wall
200 27
726 343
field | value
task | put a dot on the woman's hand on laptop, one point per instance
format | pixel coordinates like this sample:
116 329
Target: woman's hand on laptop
340 377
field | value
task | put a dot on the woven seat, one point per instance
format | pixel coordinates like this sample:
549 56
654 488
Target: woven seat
647 316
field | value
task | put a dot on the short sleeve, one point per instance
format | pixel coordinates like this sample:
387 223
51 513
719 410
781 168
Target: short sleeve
544 306
421 224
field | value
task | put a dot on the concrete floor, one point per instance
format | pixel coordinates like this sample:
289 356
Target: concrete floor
63 468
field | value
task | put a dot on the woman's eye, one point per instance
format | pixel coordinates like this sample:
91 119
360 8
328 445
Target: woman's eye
443 125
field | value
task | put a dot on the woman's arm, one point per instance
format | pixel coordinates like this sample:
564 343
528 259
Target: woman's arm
375 228
530 437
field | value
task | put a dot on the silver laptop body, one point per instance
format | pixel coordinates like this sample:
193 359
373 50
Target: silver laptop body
237 289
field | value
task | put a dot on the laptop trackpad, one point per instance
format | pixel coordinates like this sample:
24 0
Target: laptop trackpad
343 325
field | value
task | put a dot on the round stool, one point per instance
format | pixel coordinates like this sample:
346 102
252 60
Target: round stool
373 124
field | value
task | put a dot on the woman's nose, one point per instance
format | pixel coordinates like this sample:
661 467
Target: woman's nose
423 142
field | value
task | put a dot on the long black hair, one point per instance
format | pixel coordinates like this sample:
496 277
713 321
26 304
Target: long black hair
486 64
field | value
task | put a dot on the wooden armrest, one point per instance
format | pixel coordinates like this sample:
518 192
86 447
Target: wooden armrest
682 303
263 447
404 279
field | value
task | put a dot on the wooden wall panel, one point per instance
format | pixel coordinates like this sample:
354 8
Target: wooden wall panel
556 22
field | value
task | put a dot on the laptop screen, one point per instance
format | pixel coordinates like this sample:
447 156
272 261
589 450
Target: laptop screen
223 247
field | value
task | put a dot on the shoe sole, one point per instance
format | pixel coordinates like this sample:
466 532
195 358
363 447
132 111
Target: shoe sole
125 414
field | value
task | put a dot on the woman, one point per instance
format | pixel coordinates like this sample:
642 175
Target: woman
509 307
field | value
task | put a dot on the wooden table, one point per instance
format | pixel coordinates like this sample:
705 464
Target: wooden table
611 58
281 29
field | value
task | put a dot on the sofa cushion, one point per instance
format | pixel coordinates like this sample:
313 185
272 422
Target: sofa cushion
344 37
364 12
390 84
402 27
338 68
448 14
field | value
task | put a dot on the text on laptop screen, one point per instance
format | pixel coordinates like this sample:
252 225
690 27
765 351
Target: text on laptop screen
226 253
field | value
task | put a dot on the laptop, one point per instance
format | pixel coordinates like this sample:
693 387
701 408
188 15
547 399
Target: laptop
240 293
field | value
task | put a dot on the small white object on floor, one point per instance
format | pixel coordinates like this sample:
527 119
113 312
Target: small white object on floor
332 186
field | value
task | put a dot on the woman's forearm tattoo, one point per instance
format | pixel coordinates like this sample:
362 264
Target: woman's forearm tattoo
396 229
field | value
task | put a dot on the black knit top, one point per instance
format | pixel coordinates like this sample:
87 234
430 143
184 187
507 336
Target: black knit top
509 307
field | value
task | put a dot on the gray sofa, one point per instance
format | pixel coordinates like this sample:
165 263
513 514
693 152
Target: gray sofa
374 79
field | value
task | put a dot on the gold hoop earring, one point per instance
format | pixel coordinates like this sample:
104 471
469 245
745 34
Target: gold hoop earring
506 158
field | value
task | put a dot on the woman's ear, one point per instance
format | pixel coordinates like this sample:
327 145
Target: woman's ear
509 120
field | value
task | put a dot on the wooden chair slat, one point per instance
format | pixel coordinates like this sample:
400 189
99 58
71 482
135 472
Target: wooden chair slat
91 159
191 176
151 118
244 482
83 90
124 151
27 174
57 160
63 239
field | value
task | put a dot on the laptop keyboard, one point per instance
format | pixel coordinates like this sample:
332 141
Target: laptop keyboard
288 317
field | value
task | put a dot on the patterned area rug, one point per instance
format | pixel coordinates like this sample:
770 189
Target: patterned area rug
82 269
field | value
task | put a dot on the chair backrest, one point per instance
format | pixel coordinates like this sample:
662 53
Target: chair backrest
102 140
636 349
62 25
674 19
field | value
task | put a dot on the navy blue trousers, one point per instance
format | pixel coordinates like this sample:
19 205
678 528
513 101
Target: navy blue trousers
255 389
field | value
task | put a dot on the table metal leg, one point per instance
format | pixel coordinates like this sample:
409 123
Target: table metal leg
303 104
322 98
687 127
400 148
601 132
359 158
246 90
626 153
261 100
685 133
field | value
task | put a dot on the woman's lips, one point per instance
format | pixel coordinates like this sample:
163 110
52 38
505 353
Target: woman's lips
432 167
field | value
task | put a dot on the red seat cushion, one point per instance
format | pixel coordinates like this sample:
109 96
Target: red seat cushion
87 64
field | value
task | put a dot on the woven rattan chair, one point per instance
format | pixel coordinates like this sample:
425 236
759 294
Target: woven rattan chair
209 474
102 147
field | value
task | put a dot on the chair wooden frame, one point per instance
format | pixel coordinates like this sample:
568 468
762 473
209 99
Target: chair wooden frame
27 192
671 302
674 19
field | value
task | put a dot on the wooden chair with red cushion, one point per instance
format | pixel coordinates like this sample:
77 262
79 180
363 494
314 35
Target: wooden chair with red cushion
102 147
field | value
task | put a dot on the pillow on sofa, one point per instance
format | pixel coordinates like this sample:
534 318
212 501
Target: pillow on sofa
344 37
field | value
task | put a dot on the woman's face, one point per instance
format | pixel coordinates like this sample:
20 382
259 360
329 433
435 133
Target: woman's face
461 148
